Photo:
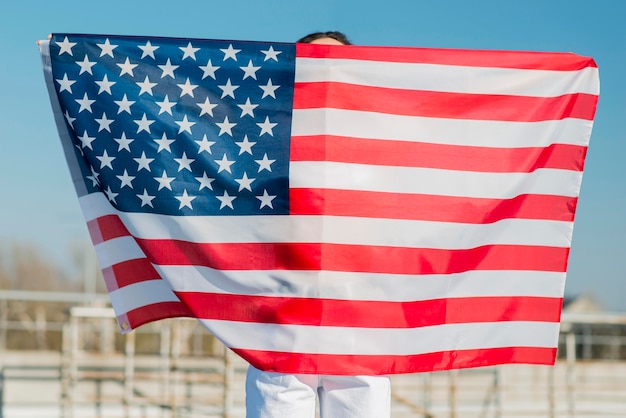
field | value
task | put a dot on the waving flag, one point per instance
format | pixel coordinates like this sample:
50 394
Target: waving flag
330 209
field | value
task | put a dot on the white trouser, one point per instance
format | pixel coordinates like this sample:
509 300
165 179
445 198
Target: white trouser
279 395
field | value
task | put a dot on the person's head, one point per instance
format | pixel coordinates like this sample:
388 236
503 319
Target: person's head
327 38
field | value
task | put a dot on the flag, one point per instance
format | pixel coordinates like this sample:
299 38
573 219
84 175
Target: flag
330 209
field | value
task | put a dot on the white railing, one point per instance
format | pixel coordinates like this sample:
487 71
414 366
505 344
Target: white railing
170 383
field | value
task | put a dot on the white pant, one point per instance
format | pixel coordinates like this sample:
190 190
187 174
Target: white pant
279 395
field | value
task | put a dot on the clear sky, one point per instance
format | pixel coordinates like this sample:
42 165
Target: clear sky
38 205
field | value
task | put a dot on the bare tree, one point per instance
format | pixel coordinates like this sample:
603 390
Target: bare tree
23 267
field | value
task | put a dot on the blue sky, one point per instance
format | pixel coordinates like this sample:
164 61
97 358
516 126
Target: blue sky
38 203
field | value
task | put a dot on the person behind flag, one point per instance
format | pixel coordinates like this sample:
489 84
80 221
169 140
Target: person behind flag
279 395
325 38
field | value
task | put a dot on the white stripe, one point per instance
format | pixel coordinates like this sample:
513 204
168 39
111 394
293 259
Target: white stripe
117 250
364 286
398 341
141 294
96 205
448 78
346 176
328 229
475 133
345 230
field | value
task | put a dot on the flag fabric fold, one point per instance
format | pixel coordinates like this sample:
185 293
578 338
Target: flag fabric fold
330 209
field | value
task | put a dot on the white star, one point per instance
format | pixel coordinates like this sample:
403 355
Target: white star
110 195
209 70
207 107
205 182
105 160
146 199
184 163
148 50
85 65
143 162
164 143
266 127
143 124
106 48
245 145
230 52
265 164
226 200
66 46
164 181
123 142
245 182
124 104
224 164
86 140
166 105
187 88
185 125
269 89
205 145
228 89
249 70
85 103
69 119
94 177
168 69
185 200
271 54
126 180
247 108
189 51
266 200
146 86
105 84
65 84
104 123
225 127
127 68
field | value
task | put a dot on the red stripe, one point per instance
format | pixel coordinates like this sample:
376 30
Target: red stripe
358 313
443 104
106 228
429 207
344 364
356 258
129 272
440 156
157 311
473 58
94 231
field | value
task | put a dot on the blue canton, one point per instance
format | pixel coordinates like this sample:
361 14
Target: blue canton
179 127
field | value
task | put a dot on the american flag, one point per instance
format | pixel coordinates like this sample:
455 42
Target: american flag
330 209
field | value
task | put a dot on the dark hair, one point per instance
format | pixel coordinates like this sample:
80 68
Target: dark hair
337 36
